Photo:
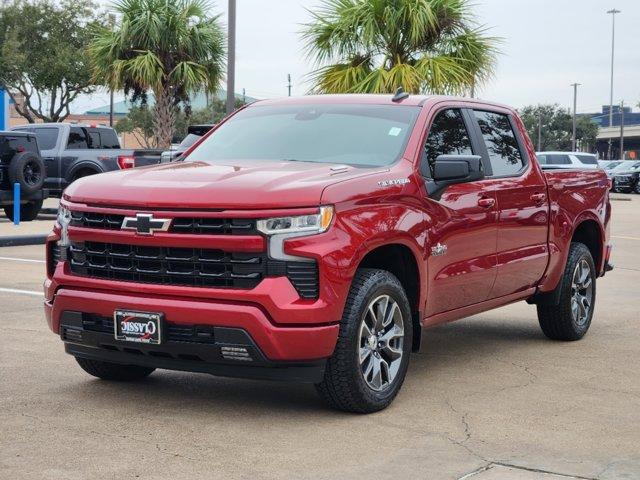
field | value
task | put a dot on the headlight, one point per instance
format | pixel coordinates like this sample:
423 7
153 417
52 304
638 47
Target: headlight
308 224
282 228
63 219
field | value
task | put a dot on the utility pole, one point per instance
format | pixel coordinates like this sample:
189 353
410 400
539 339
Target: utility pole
575 103
289 83
539 132
231 58
622 130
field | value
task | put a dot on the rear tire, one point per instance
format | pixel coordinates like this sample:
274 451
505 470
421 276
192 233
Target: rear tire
28 211
570 319
371 357
113 371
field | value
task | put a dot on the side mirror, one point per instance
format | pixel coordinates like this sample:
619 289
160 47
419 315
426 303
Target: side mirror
454 169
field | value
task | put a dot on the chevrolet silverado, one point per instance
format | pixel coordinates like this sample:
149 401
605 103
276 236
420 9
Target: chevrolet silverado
312 239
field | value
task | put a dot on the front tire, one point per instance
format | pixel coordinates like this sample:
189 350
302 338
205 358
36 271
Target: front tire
113 371
371 357
570 319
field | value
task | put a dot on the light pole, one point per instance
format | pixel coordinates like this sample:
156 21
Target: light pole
231 58
612 12
575 103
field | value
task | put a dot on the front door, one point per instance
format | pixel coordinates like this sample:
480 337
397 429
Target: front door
462 224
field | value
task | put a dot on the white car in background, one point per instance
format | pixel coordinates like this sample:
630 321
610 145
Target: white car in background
567 160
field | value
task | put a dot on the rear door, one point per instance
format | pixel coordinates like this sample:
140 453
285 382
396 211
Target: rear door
462 223
522 204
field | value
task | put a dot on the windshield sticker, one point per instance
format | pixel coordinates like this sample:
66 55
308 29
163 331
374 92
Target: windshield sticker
395 131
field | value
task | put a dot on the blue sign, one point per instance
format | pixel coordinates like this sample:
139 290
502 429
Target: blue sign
4 110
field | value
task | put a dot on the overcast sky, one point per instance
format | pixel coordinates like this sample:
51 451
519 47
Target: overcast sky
547 45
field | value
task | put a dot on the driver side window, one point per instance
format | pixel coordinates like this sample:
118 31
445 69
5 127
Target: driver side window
448 136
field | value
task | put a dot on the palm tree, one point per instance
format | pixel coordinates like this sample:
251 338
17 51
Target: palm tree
376 46
169 47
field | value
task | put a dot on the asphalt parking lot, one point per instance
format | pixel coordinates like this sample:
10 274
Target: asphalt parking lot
488 398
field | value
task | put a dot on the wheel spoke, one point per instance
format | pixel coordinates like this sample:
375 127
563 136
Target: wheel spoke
376 374
365 353
391 311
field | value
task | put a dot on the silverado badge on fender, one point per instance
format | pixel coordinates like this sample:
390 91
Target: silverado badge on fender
145 224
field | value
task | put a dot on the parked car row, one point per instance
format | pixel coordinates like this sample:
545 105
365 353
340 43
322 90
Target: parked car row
625 177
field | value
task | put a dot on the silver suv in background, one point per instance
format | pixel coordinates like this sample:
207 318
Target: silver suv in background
567 160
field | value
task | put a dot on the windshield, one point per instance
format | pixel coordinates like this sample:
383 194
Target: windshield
625 165
189 140
358 135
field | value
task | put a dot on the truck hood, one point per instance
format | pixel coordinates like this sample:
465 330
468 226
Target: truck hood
200 185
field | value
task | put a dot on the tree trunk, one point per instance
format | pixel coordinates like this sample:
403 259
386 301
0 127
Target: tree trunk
164 117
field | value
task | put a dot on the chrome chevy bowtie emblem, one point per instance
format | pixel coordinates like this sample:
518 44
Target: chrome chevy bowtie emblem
145 224
438 250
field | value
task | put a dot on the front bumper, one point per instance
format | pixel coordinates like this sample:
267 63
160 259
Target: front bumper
274 343
221 351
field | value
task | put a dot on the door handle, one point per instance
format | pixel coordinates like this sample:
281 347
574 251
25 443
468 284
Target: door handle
486 202
539 198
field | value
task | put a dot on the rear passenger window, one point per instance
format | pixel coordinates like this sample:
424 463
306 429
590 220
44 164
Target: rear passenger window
77 139
448 136
501 142
108 138
94 138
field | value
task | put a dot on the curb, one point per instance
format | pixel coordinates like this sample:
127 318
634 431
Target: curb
49 211
22 240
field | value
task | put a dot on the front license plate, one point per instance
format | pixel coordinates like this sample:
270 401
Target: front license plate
140 327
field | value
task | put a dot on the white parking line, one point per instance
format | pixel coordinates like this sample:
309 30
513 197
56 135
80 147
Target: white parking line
626 238
22 292
27 260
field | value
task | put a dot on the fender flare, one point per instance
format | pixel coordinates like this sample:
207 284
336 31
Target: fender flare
80 164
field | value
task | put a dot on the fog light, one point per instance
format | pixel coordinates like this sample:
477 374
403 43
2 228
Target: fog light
236 353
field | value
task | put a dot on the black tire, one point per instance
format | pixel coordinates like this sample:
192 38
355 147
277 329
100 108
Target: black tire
113 371
28 211
559 322
636 189
344 386
27 169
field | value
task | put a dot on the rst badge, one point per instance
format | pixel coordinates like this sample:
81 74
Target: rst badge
438 250
140 327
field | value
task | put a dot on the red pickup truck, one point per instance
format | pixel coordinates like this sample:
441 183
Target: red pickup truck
311 239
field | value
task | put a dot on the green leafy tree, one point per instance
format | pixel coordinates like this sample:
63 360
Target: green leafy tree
43 61
557 128
171 48
376 46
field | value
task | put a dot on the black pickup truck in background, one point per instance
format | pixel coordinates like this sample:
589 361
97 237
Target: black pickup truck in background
20 162
71 151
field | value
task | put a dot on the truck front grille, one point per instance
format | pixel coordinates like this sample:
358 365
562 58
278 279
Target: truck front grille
168 266
194 225
193 267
